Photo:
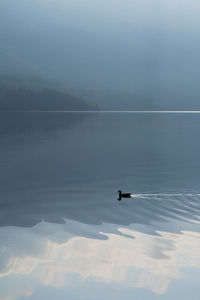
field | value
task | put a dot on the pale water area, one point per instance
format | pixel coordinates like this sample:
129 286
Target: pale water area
64 235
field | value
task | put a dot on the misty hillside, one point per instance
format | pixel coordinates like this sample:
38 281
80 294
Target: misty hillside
145 52
21 97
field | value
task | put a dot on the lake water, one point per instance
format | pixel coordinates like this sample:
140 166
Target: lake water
64 235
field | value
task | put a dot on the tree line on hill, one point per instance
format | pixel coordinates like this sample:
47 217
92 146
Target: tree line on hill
29 98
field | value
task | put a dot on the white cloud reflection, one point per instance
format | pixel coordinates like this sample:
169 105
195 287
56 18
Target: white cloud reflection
144 261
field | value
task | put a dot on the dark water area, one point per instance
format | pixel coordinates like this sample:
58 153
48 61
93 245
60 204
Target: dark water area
60 172
70 165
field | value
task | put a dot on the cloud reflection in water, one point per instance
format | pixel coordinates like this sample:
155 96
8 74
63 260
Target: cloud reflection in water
49 254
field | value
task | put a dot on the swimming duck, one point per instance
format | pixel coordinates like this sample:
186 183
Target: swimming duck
127 195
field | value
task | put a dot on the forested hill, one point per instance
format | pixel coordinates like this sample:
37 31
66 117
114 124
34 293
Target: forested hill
30 98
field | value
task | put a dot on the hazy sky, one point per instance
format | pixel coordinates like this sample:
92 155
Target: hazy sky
143 46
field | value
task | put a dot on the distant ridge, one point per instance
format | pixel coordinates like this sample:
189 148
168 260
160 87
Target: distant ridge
18 97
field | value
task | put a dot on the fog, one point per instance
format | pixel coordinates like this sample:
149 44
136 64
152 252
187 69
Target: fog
146 49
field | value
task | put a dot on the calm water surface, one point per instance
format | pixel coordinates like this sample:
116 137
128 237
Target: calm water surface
63 234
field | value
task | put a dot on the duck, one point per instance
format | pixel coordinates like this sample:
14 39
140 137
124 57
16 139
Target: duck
126 195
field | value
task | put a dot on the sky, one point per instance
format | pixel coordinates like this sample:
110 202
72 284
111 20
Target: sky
147 47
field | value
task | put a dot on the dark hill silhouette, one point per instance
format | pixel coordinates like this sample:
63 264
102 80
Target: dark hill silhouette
28 98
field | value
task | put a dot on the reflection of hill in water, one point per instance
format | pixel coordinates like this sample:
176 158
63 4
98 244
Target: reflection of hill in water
18 126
